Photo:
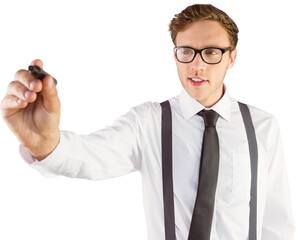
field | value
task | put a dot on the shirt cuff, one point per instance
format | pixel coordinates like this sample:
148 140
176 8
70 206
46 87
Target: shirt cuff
29 158
26 155
46 164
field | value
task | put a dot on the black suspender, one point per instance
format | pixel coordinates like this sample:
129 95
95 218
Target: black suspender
167 173
254 168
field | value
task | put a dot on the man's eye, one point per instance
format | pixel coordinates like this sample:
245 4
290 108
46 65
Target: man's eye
186 52
211 52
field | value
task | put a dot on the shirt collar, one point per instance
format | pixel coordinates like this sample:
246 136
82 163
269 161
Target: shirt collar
189 106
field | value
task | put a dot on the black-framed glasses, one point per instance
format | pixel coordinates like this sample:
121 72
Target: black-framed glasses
210 55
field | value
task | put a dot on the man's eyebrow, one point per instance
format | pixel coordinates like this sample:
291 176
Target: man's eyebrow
208 46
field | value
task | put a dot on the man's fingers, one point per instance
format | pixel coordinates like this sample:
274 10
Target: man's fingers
20 91
25 78
11 104
37 62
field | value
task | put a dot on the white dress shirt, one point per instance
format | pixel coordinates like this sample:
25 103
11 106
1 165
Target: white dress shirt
133 142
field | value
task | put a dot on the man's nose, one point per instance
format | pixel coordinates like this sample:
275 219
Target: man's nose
198 62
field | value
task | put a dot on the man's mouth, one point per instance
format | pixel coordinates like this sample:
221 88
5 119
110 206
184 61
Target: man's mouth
197 81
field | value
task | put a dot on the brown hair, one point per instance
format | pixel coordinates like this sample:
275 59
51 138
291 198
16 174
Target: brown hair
200 12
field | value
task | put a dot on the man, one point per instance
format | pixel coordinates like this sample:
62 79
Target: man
205 40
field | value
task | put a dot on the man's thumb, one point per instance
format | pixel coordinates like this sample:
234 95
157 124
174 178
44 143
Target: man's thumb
49 93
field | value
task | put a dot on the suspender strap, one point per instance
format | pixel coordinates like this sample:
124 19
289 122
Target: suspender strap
167 171
254 168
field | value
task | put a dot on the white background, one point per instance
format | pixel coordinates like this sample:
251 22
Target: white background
109 56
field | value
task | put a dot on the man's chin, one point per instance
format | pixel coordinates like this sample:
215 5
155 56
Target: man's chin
197 94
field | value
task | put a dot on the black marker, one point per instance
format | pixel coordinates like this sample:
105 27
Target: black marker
39 73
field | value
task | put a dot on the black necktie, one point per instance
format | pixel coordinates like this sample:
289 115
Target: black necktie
200 228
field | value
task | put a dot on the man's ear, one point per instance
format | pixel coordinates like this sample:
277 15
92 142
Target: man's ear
232 58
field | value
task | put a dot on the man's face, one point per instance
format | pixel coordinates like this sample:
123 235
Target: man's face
200 35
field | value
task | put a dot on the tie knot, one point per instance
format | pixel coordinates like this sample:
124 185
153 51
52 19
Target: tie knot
210 117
